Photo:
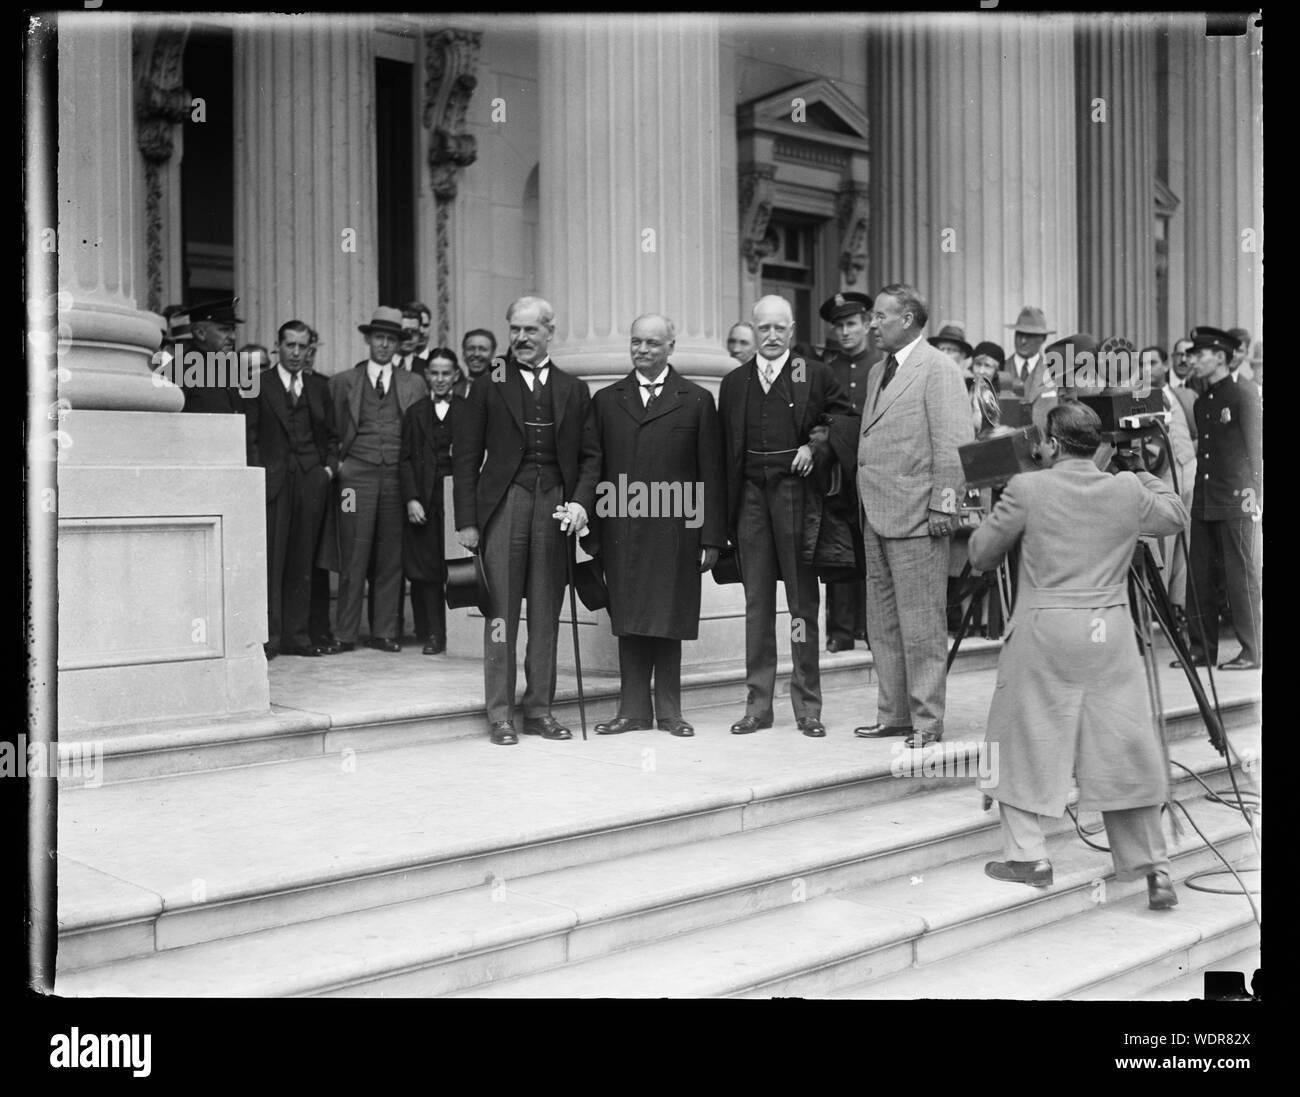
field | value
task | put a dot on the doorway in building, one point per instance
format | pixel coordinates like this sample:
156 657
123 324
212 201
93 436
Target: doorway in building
208 168
791 266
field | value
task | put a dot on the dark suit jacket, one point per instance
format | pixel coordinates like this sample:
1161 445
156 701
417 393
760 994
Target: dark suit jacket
345 396
818 402
488 443
266 422
420 475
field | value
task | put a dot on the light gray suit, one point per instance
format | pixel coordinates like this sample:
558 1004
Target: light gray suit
908 466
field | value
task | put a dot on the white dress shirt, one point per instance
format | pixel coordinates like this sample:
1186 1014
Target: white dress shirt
543 371
288 380
772 367
658 382
374 370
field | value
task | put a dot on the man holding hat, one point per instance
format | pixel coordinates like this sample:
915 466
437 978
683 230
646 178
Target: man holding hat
1227 503
525 462
657 431
369 401
846 313
212 332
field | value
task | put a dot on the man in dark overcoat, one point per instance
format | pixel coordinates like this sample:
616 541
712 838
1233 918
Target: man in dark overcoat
525 462
425 462
770 409
660 522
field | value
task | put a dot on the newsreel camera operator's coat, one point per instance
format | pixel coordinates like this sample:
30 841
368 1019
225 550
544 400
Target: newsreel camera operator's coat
1071 697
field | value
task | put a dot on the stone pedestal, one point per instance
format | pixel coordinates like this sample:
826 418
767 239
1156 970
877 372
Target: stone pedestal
306 230
973 169
162 586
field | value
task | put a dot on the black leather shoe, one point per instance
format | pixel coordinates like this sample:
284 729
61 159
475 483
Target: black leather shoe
1160 891
678 727
621 724
1239 663
342 646
920 739
270 652
839 645
310 651
503 734
546 726
382 643
433 649
812 727
747 725
1197 661
1034 873
880 731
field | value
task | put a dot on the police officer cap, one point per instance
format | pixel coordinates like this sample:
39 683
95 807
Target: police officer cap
219 312
844 304
1214 339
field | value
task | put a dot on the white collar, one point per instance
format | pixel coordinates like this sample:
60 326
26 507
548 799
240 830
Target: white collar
657 381
374 370
774 365
286 378
900 356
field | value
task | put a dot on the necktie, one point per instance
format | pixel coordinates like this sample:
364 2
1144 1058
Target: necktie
295 389
769 375
891 368
653 388
379 385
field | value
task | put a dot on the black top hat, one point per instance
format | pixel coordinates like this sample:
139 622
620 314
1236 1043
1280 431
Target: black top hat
842 305
589 583
467 584
727 569
219 312
1214 339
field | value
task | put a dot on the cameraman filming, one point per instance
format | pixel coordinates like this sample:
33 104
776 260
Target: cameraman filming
1071 697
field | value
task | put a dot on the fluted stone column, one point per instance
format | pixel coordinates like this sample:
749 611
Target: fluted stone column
1115 81
973 167
631 187
1224 199
305 215
111 338
162 531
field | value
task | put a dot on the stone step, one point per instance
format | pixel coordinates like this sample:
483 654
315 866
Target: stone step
519 924
1113 952
819 947
375 701
1191 986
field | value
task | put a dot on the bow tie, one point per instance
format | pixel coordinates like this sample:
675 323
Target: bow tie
531 369
442 399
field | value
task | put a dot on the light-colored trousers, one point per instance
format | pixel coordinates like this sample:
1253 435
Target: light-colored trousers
1137 843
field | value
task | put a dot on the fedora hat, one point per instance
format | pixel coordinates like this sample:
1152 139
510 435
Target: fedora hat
727 569
467 584
589 584
1032 322
385 320
953 333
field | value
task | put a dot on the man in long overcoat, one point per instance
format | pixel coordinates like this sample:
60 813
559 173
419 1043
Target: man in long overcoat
660 521
1071 699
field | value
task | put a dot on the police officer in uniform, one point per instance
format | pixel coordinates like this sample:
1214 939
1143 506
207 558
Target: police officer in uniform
1228 501
212 327
846 313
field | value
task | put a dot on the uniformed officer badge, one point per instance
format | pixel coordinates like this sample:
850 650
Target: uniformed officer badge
1225 416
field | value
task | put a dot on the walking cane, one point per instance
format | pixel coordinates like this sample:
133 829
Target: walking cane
570 551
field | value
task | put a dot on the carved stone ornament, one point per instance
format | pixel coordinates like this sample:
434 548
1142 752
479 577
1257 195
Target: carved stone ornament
756 196
451 56
161 104
852 206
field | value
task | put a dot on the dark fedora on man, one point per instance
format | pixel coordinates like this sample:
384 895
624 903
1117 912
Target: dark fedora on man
953 334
